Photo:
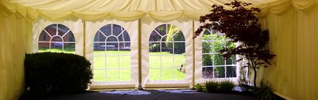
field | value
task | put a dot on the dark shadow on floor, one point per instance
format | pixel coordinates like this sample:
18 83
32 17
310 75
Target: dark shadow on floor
151 95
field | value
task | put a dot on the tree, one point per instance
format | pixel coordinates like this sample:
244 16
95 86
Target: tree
240 25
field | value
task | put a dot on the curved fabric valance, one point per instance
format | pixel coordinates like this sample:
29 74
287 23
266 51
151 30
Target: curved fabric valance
130 10
281 6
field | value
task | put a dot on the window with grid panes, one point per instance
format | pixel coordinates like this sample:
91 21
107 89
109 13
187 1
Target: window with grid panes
214 64
111 54
56 38
166 53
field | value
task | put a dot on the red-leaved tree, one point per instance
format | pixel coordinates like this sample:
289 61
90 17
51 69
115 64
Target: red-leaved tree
240 25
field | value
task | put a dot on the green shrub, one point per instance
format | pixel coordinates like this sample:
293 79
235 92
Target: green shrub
264 91
211 86
198 87
56 73
226 86
154 48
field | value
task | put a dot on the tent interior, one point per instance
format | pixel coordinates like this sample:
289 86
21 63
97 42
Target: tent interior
137 51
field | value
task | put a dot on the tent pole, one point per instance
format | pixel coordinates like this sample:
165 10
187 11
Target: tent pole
84 37
193 55
139 56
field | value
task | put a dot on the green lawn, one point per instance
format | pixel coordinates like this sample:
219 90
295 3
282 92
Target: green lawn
117 68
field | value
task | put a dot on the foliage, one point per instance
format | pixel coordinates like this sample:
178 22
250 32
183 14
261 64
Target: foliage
212 44
154 48
56 73
265 91
174 34
211 86
168 33
240 25
198 87
226 86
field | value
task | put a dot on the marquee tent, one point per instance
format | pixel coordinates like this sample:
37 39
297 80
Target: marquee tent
293 26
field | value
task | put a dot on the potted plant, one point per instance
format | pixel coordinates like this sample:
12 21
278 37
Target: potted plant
241 26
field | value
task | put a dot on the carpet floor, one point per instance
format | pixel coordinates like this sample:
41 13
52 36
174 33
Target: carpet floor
151 95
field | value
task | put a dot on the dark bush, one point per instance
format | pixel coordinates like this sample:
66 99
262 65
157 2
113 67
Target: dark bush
265 91
226 86
49 74
212 86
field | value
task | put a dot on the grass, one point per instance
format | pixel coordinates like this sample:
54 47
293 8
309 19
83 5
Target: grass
117 68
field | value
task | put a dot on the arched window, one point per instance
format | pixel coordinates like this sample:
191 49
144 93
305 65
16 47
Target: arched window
56 38
214 64
166 53
111 54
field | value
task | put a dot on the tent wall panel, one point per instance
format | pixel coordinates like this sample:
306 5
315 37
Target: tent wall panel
293 38
16 40
132 29
148 25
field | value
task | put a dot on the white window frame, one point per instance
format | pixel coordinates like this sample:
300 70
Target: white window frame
57 35
105 55
225 65
173 49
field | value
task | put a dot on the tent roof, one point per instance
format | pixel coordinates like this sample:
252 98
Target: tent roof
126 10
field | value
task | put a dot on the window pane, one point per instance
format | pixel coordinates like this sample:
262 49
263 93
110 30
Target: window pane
125 75
219 72
218 59
99 47
155 74
124 36
99 37
124 62
179 48
43 46
99 62
162 29
207 60
168 74
207 72
154 47
69 47
99 75
206 47
231 71
112 61
106 30
167 61
231 61
69 37
154 61
112 75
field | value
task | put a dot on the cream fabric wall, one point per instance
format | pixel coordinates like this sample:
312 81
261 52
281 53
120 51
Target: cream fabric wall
15 41
293 38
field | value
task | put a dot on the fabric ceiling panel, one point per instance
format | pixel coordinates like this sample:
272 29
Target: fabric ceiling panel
88 8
